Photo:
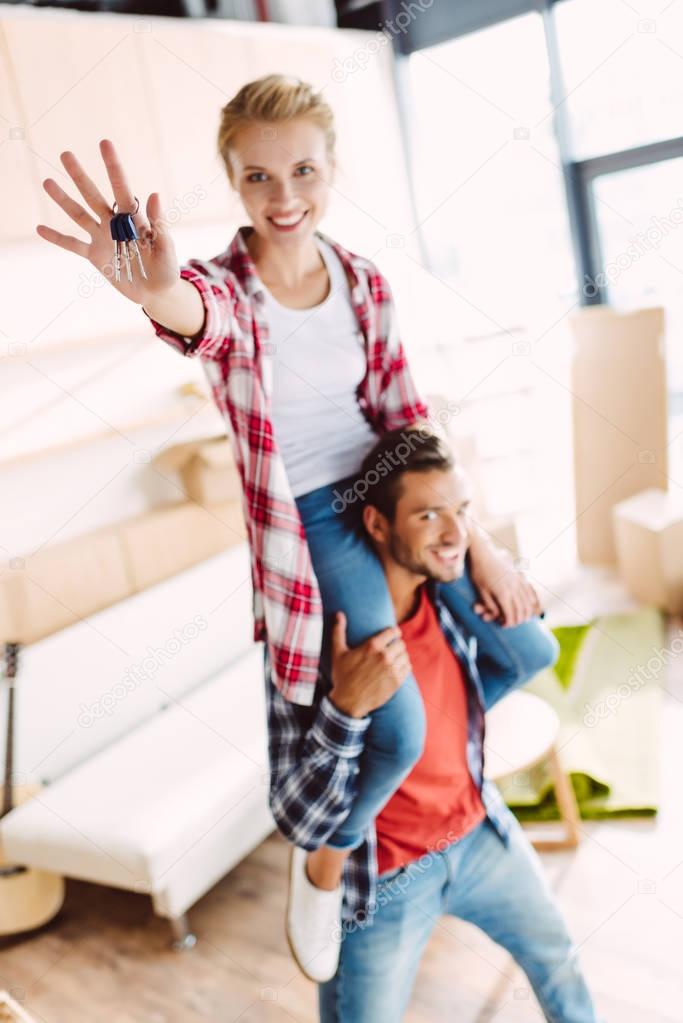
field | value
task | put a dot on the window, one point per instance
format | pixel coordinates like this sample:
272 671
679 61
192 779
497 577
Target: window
622 65
490 198
639 214
487 174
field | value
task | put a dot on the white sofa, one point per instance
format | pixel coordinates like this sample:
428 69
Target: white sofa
175 800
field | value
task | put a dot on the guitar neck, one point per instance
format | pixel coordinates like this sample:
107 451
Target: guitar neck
11 656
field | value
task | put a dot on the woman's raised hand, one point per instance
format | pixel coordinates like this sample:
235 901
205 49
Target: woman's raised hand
155 243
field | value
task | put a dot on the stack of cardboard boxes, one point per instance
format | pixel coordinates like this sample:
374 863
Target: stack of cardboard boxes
649 535
501 529
625 515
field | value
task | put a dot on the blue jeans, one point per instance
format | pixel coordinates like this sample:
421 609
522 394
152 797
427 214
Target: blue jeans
352 580
501 889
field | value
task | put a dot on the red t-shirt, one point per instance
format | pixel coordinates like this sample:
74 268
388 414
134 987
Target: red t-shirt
438 802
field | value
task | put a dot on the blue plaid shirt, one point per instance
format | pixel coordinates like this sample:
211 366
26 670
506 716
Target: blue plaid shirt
314 752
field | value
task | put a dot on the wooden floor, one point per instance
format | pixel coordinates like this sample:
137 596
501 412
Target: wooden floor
107 957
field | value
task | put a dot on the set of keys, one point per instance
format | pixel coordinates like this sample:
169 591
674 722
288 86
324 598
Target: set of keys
125 235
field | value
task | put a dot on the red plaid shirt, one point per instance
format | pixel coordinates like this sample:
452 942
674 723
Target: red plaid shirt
235 355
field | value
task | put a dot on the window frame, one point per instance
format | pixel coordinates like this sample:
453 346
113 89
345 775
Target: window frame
578 175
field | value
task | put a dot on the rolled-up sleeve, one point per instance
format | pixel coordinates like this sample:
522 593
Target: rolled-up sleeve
217 292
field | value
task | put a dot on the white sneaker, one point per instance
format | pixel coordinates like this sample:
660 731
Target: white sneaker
313 922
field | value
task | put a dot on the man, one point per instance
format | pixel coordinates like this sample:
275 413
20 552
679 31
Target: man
445 842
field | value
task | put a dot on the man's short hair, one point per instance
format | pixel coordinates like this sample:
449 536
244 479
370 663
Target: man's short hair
407 449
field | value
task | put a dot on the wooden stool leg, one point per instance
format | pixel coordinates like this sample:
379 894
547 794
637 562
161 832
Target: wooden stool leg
567 805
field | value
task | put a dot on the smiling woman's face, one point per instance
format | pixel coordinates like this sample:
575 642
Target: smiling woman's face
282 172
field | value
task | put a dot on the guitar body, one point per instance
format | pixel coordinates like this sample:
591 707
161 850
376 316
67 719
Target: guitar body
11 1011
28 897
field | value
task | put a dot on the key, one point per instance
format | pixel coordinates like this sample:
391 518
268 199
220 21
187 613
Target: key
120 228
131 236
124 234
113 227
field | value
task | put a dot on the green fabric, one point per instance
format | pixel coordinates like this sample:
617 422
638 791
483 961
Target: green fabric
570 638
607 694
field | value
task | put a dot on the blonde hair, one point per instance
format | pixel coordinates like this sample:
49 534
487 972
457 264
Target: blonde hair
273 98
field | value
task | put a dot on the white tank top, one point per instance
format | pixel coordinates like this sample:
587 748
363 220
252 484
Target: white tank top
318 361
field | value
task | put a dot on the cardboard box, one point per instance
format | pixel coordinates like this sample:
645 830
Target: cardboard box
54 588
58 586
648 530
464 447
618 382
206 468
8 626
502 530
169 540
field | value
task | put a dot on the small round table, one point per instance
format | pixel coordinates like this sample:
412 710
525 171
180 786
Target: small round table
521 732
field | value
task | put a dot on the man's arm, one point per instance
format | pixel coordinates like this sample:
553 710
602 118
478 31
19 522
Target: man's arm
314 751
504 591
314 754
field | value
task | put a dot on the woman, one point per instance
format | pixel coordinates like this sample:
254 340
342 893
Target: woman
299 342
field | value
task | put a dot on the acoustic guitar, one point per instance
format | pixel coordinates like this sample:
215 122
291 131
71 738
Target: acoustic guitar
11 1011
28 897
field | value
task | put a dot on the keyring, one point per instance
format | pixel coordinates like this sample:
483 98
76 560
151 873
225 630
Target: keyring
114 210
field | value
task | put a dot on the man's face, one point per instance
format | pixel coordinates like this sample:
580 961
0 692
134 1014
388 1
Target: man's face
429 535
